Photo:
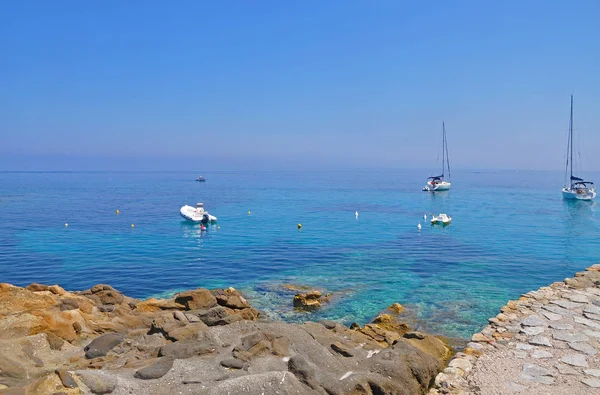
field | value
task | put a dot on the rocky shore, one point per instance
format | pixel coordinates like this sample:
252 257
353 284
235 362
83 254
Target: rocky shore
546 342
202 341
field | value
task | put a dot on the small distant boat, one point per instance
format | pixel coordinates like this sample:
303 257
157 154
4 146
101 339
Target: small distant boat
197 214
437 183
442 219
576 188
201 179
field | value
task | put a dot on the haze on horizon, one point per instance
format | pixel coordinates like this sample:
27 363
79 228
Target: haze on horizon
288 85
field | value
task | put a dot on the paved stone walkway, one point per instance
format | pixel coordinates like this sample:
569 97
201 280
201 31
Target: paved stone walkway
547 342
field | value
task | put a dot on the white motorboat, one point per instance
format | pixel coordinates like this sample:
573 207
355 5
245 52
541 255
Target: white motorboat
441 219
437 183
197 214
576 188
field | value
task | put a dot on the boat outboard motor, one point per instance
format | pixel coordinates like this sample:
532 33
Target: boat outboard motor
205 219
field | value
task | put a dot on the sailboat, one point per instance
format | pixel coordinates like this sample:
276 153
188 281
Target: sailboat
576 188
437 183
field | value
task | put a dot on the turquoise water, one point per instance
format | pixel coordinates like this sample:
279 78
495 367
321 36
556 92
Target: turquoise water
511 233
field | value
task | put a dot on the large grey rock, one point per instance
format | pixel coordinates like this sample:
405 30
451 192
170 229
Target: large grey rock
578 298
218 316
591 333
534 320
540 341
592 372
98 382
565 304
584 347
595 317
524 347
535 370
532 330
592 309
575 360
184 350
304 372
541 354
551 316
594 383
569 337
557 310
561 327
156 370
586 322
269 383
233 363
100 346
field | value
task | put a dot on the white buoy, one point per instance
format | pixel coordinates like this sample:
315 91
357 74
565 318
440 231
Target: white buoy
66 224
424 217
356 214
419 226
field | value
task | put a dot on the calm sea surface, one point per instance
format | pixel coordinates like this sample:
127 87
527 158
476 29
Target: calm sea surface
511 233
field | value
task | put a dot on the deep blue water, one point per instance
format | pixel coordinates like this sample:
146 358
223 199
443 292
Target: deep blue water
511 233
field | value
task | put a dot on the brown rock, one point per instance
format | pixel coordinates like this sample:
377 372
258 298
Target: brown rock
165 324
389 323
57 290
152 305
198 299
308 301
35 287
54 341
188 332
429 345
396 308
66 378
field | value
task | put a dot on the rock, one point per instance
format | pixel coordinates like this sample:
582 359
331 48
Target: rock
418 335
537 379
100 346
328 324
303 371
578 298
156 370
192 318
214 316
35 287
541 354
54 341
569 337
594 383
575 360
188 332
540 341
389 323
557 310
179 316
583 347
105 294
525 347
233 301
535 370
592 309
533 320
473 345
233 363
478 337
561 327
340 349
461 363
590 333
520 354
595 317
586 322
565 304
198 299
153 305
165 323
396 308
592 372
551 316
66 378
182 350
107 308
532 331
11 367
354 326
566 370
98 382
308 301
69 304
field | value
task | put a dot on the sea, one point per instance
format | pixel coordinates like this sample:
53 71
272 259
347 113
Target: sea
511 232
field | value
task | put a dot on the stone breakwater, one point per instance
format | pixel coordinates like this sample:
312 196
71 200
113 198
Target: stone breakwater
546 342
99 341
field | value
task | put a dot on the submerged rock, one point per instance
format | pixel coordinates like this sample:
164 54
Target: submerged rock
308 301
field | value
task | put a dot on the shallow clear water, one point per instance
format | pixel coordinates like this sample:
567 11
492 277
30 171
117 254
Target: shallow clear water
511 233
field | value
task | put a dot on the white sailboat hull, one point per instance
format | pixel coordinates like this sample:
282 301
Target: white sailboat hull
439 187
573 194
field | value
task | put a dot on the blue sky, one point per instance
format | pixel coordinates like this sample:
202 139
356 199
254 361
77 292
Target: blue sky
307 84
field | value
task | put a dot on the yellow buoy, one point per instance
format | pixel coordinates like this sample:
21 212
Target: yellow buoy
299 226
117 211
132 225
218 227
248 212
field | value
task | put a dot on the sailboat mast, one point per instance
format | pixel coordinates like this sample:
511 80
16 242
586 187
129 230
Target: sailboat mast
443 148
571 140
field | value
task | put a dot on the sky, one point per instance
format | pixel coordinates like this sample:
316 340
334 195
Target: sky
266 85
